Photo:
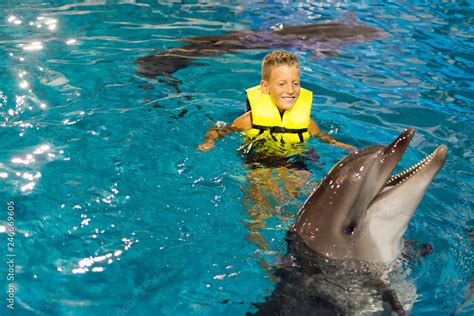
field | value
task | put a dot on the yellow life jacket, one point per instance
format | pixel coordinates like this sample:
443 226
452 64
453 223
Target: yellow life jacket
269 124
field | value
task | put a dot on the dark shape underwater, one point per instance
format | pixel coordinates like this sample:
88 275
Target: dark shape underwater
322 39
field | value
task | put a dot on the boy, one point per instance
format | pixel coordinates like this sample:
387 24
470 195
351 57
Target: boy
277 124
278 116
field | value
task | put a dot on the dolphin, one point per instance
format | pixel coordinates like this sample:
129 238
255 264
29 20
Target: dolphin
358 211
322 38
350 229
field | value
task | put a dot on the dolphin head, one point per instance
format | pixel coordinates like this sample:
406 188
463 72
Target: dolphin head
358 211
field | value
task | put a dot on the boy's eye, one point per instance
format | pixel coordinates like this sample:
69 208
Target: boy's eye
296 84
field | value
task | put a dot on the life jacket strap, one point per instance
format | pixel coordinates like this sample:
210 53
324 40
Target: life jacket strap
280 129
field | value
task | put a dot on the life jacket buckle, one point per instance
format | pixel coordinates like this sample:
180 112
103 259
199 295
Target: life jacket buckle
278 129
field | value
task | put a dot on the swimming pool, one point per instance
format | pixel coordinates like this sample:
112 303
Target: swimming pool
117 213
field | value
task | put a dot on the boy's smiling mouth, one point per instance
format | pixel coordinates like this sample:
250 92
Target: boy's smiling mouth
286 102
288 99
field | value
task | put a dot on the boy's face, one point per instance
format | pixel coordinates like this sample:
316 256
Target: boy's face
283 86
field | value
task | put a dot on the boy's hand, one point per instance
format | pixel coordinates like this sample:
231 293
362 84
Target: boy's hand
347 147
206 145
351 149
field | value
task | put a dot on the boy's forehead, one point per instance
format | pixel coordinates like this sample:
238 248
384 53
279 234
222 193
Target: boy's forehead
281 71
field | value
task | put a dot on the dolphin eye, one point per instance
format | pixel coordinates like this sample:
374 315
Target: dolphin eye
350 230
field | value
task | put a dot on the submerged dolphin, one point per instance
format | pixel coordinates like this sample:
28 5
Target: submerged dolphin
324 38
355 219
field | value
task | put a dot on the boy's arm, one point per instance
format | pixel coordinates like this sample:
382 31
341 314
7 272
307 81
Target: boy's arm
314 130
220 129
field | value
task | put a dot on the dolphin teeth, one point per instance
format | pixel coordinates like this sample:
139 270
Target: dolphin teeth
406 174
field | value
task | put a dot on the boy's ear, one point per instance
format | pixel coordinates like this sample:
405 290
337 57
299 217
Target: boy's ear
264 86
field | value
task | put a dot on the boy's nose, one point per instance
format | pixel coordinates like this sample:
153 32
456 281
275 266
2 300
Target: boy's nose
290 89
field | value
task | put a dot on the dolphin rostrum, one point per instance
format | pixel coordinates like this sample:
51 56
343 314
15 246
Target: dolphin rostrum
349 228
322 39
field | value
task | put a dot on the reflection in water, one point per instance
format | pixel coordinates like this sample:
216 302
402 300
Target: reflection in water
24 169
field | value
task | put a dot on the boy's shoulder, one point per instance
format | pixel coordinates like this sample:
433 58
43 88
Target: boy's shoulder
243 122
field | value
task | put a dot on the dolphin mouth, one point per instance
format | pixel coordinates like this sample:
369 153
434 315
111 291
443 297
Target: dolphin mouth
434 160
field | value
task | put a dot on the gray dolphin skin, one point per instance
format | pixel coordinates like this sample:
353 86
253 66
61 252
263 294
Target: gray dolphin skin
348 233
358 212
323 38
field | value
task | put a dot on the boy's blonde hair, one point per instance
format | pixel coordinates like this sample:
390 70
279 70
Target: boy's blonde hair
275 59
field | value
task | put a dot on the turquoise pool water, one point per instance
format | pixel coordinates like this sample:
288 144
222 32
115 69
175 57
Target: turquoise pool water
115 211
